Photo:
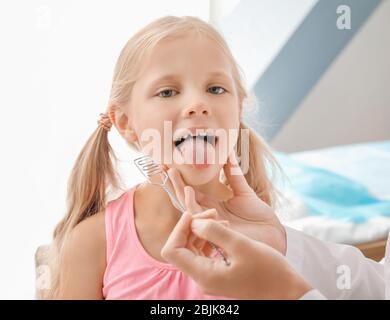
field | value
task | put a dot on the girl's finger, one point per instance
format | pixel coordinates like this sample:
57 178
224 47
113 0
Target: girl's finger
235 176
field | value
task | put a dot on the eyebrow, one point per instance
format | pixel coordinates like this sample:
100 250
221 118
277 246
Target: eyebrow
170 77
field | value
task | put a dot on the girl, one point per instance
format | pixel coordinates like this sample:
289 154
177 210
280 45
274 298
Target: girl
176 69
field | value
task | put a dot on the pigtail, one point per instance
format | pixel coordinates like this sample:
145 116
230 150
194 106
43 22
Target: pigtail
92 173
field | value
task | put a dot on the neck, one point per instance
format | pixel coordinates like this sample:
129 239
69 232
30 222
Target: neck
215 189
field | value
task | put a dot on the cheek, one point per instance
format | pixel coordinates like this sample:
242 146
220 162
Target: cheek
150 118
156 139
229 112
230 123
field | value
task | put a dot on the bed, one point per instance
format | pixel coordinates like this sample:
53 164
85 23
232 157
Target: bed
339 194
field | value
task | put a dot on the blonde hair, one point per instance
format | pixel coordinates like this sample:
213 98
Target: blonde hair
94 170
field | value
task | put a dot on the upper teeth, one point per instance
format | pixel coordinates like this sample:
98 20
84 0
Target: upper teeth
207 137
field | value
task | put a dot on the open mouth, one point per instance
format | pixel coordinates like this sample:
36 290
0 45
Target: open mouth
197 149
209 138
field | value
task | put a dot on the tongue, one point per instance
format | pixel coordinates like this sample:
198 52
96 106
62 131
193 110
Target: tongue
198 152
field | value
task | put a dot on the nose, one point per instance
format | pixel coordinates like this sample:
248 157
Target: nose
197 110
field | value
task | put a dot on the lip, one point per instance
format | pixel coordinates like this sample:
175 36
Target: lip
201 166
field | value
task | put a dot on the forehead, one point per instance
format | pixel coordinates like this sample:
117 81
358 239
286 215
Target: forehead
186 54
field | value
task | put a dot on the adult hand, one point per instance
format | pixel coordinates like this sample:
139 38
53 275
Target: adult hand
245 211
194 243
256 270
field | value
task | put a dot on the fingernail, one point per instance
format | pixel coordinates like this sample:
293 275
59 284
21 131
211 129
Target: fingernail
197 224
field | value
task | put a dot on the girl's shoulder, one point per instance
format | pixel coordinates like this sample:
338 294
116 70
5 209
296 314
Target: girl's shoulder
90 231
84 261
88 240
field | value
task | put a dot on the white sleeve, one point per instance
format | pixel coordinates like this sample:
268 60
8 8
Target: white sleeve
338 271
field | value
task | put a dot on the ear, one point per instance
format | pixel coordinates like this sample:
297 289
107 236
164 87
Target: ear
122 122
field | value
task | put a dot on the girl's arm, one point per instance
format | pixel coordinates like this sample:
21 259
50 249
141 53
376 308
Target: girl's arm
84 261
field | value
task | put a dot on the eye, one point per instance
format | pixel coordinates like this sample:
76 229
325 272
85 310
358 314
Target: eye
167 93
216 90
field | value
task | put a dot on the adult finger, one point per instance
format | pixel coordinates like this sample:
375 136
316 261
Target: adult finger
180 234
235 176
190 201
199 243
228 240
205 246
209 213
179 244
177 183
193 240
176 253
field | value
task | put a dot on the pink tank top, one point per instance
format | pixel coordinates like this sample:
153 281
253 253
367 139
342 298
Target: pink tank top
131 273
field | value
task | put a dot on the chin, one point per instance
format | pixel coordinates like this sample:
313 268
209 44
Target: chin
196 176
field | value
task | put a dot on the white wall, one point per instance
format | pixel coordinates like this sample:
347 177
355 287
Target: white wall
351 102
57 59
256 30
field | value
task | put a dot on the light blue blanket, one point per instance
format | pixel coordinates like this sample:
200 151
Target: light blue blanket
328 193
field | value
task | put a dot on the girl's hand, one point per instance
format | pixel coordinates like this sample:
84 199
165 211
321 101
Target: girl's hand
244 204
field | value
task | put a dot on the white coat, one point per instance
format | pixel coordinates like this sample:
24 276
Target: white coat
337 271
